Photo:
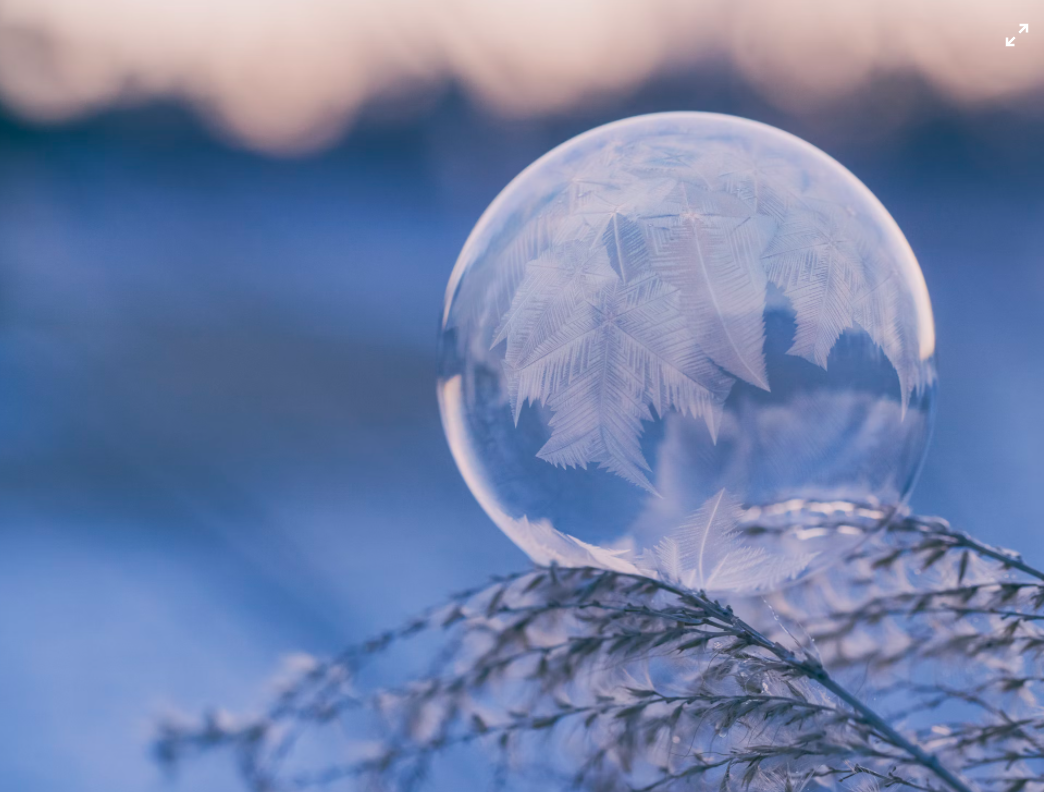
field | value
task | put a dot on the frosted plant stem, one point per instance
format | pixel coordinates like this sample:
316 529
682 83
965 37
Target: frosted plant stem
815 670
602 621
941 529
927 760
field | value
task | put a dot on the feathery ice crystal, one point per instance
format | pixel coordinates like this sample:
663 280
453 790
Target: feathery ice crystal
688 346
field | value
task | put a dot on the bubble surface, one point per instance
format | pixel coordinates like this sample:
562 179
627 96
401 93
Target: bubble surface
688 346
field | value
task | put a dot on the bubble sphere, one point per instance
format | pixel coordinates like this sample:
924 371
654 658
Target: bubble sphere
692 347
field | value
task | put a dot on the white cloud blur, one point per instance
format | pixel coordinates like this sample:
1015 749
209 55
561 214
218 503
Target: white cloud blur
288 75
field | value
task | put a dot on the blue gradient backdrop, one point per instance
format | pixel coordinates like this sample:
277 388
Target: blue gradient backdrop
219 441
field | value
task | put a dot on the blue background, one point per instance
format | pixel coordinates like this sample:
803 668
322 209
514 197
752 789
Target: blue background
219 442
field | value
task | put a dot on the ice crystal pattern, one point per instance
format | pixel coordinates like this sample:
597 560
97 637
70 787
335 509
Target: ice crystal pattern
707 552
641 284
620 350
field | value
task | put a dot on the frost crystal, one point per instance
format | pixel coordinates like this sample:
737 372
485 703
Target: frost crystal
707 552
622 350
647 288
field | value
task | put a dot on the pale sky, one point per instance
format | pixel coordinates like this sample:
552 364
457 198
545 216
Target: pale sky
289 75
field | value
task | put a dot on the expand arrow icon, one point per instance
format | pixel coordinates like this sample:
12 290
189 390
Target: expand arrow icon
1009 42
1024 27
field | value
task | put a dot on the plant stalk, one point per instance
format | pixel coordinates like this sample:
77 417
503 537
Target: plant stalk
814 670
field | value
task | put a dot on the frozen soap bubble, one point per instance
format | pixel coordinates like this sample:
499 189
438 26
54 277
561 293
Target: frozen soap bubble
688 346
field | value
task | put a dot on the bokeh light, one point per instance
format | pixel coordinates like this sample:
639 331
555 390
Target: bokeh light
290 76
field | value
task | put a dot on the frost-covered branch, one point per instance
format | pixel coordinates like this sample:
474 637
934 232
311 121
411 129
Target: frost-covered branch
914 664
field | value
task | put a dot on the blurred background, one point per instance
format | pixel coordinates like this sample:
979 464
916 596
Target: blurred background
225 231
